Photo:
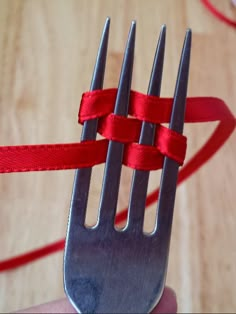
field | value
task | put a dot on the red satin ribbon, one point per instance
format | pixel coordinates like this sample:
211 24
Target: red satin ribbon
99 104
219 15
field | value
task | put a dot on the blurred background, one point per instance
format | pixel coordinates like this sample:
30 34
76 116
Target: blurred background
47 54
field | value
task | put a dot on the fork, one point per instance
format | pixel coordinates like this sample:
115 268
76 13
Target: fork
123 271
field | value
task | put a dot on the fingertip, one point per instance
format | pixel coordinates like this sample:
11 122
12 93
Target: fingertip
167 304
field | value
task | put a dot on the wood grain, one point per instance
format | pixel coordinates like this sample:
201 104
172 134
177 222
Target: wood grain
47 53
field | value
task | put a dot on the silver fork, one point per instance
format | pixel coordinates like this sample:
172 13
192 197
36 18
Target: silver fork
123 271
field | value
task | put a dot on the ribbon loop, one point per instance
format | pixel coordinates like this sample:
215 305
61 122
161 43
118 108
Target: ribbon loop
99 104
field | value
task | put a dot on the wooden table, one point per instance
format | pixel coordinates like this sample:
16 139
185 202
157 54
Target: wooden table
47 54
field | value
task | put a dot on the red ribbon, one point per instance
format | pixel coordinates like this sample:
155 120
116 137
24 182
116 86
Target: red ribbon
99 104
219 15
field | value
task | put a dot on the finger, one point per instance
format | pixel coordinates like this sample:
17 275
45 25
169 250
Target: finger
167 304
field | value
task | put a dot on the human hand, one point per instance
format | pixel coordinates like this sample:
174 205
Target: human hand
167 304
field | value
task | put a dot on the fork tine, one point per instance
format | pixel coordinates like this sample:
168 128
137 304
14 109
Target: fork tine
140 178
82 176
170 168
110 187
99 68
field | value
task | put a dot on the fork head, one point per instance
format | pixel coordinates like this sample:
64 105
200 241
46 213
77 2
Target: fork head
123 271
